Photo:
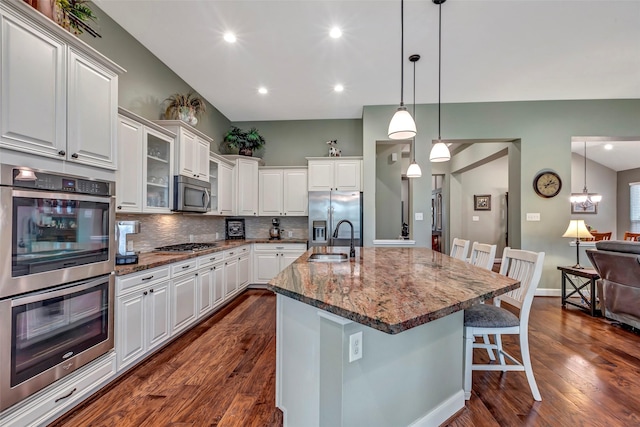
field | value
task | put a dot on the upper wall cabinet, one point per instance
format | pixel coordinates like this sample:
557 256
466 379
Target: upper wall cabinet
191 151
283 192
246 190
335 174
143 179
221 179
59 97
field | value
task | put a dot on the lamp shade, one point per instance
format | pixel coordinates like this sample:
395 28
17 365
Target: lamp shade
414 170
577 229
26 175
402 125
440 153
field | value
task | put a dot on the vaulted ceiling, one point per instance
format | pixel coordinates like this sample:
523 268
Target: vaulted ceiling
492 50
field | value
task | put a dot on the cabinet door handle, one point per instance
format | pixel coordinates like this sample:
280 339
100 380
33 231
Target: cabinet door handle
119 206
65 396
74 155
151 290
62 152
145 293
147 278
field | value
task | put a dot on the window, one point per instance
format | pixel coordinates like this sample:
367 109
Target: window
634 199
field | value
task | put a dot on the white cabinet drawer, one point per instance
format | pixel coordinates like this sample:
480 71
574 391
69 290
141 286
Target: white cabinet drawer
130 281
59 397
184 267
279 246
236 252
207 260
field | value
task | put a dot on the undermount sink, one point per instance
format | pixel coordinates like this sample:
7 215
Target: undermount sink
327 257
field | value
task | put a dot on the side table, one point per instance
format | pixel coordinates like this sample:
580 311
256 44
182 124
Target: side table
580 296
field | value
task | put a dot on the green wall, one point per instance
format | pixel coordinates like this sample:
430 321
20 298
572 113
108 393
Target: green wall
148 81
544 129
289 142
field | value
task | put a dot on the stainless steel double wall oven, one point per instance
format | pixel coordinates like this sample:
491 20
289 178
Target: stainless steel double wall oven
57 251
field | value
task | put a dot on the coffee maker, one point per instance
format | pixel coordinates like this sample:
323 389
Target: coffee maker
275 231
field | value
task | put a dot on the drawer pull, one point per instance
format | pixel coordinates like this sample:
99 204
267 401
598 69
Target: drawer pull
231 253
184 267
279 247
147 278
66 396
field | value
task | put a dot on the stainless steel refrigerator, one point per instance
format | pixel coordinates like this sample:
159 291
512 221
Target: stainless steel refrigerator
327 209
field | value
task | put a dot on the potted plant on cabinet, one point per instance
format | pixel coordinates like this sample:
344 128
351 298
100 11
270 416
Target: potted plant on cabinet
187 108
244 141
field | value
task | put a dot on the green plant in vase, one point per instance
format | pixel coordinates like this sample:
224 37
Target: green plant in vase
244 141
72 14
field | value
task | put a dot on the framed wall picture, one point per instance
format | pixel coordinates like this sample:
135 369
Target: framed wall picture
584 208
482 202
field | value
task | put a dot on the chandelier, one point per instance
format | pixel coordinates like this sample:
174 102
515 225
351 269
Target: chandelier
585 200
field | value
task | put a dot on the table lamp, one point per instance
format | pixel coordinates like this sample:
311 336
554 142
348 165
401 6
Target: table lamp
577 229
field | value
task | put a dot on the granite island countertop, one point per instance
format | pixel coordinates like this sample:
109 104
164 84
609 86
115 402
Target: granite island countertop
389 289
147 260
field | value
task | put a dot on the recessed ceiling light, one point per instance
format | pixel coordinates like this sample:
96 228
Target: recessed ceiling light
338 88
335 32
263 91
230 37
608 147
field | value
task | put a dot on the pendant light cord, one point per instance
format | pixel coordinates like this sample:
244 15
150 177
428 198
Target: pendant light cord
401 52
413 140
439 63
585 168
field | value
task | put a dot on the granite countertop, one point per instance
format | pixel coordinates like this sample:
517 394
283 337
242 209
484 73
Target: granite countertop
390 289
147 260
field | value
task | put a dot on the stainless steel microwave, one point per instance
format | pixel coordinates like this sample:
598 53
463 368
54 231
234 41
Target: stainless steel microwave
190 194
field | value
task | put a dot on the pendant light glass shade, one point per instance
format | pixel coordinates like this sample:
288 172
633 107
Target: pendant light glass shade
414 170
402 125
440 152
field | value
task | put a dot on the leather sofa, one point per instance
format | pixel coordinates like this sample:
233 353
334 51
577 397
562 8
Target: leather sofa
618 264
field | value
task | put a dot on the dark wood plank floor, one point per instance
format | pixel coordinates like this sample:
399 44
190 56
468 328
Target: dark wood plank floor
222 373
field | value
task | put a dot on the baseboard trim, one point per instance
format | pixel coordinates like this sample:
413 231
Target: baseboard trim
442 412
548 292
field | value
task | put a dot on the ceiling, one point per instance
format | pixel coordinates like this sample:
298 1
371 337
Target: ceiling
492 50
620 156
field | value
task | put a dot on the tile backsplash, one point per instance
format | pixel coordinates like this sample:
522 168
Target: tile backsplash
159 230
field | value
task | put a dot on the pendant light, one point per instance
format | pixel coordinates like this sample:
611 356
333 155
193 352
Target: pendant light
440 151
585 199
402 125
414 170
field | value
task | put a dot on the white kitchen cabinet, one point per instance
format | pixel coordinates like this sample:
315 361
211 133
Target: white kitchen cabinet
70 88
335 174
210 277
92 105
221 179
144 178
244 270
191 149
269 259
230 277
246 189
142 314
184 295
237 268
283 192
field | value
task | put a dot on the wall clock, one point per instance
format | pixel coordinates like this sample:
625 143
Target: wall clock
547 184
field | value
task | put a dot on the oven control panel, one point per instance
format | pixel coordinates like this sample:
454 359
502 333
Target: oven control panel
70 184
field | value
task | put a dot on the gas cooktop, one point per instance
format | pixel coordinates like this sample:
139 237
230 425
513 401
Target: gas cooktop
186 247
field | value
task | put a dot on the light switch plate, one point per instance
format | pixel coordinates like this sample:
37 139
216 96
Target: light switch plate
475 218
419 216
533 216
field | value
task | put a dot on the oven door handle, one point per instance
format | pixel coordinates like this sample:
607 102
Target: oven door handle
59 292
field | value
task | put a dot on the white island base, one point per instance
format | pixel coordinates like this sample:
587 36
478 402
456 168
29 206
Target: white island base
413 378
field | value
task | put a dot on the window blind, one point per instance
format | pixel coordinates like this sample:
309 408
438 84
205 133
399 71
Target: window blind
634 200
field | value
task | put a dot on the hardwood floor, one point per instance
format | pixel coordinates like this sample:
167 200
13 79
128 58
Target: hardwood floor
222 373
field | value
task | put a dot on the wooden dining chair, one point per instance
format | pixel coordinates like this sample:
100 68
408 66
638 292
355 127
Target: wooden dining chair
601 236
482 255
628 235
459 248
486 319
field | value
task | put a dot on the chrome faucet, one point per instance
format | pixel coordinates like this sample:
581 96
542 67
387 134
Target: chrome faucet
352 250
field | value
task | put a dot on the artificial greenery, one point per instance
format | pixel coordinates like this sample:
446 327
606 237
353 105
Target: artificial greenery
77 9
193 102
244 140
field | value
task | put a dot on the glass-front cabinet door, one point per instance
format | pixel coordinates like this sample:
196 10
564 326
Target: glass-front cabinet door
213 180
158 182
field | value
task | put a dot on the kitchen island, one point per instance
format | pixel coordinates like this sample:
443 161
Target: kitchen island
408 304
